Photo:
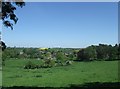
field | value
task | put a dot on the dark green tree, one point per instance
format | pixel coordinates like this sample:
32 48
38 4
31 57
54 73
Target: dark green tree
2 45
119 51
80 55
113 52
8 12
87 54
90 53
102 51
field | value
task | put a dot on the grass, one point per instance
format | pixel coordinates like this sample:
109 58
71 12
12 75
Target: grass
0 78
78 73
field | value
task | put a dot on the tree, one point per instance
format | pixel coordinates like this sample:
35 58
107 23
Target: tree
8 12
87 54
61 58
80 55
113 52
102 51
2 45
119 52
90 53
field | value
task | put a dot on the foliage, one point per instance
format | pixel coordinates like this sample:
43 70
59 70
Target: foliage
49 63
118 51
8 12
87 54
34 64
2 48
61 58
2 45
61 55
101 52
29 65
40 64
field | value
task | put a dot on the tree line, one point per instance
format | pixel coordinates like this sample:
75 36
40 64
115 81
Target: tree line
100 52
93 52
62 56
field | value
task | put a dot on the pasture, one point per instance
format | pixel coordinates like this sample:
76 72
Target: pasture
78 73
0 77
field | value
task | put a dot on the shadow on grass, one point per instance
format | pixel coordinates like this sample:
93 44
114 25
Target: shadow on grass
95 85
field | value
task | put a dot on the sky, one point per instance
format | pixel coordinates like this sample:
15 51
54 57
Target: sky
64 24
71 0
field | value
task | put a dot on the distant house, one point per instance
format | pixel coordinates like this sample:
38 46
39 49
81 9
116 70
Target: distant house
21 52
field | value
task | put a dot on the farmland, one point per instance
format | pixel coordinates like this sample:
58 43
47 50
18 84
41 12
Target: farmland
14 73
0 77
60 67
59 45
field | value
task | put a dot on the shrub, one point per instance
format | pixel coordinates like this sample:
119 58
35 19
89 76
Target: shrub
29 65
49 63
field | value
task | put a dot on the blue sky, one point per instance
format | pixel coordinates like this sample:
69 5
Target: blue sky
60 24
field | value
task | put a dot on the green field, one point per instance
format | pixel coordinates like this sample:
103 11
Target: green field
0 78
78 73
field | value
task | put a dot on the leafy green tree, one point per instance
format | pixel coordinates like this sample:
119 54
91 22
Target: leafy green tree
113 52
90 53
60 57
71 56
86 54
102 51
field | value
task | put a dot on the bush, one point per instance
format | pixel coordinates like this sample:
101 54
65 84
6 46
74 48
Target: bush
49 63
29 65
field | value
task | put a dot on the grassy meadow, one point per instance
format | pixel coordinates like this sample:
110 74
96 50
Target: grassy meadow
14 74
0 77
